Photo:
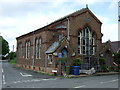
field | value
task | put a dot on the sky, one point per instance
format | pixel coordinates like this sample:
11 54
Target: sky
19 17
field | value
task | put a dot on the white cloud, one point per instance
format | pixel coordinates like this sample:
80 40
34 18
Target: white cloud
110 31
103 19
113 4
7 22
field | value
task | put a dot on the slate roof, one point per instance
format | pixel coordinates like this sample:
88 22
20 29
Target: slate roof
53 47
115 46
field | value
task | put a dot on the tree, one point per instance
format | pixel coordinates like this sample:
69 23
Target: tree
5 46
12 55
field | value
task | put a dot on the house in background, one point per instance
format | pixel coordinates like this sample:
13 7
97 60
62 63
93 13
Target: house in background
75 35
108 51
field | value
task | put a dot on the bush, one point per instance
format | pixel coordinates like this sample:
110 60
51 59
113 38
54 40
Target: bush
102 60
63 60
116 68
12 61
112 68
104 68
117 58
12 58
12 55
77 62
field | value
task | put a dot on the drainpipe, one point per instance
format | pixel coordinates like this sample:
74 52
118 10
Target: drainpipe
33 50
68 29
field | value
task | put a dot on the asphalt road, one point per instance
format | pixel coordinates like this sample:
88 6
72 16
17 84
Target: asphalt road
18 78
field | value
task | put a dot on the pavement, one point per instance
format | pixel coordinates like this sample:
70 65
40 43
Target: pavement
96 74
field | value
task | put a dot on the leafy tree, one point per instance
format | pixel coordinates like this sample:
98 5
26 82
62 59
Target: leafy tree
12 55
4 46
12 58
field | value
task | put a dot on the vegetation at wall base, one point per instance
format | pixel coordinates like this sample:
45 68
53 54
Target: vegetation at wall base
102 60
63 60
77 62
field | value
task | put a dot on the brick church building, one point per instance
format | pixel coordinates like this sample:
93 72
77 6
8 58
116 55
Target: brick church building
75 35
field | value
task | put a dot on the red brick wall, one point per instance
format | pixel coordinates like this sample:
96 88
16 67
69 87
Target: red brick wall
76 23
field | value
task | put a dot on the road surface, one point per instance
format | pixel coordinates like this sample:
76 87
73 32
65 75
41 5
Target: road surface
19 78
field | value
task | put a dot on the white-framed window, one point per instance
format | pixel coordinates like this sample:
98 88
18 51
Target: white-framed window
79 42
20 50
93 44
86 42
50 58
40 47
37 49
27 49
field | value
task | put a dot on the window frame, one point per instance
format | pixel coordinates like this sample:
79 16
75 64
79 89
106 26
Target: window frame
84 43
37 48
20 50
40 47
50 61
27 45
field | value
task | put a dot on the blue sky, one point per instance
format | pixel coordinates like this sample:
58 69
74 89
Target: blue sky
22 16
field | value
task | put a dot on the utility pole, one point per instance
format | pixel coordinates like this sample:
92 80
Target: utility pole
0 47
13 48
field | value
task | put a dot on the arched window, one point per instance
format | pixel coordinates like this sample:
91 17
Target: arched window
20 50
86 41
37 48
40 47
27 49
64 52
93 39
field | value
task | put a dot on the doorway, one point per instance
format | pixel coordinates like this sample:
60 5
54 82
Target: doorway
64 52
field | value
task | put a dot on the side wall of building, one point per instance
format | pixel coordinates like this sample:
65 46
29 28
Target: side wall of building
49 36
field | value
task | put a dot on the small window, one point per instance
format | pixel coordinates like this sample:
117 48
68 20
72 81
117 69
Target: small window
60 36
50 58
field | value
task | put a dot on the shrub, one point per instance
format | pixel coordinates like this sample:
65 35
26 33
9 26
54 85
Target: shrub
116 68
77 62
102 60
63 60
112 68
12 55
117 58
104 68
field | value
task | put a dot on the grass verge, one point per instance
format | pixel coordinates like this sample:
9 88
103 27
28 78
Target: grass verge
12 61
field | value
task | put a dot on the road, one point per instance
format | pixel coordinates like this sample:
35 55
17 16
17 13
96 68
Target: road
18 78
